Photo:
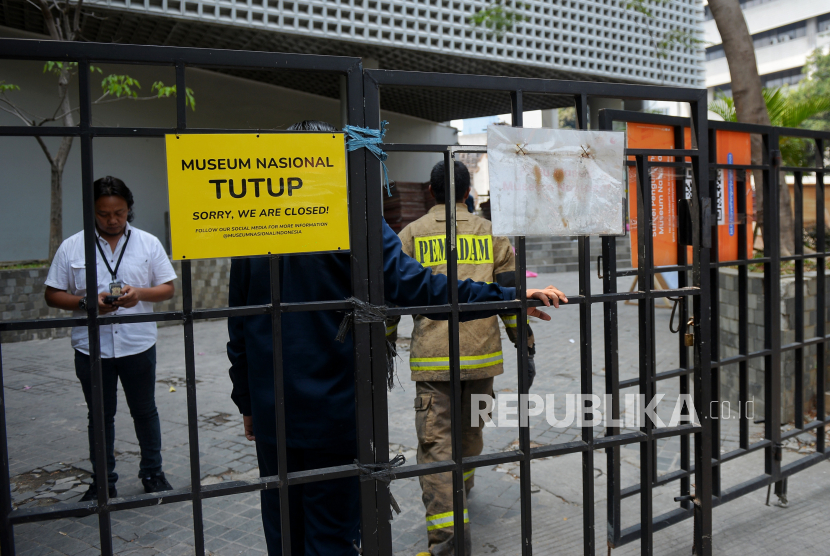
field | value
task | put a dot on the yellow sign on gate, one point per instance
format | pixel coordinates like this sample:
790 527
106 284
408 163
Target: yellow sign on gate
238 195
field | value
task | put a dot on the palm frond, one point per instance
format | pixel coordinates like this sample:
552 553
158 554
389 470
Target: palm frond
799 111
724 106
777 103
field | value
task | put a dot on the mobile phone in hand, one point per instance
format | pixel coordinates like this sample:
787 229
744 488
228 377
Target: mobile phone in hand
110 299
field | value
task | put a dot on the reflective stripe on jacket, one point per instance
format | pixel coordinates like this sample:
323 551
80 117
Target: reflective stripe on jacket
480 257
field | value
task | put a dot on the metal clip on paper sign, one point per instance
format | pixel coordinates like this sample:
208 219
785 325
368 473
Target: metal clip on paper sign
556 182
239 195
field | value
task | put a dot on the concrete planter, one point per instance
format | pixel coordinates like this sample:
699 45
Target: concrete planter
22 298
728 289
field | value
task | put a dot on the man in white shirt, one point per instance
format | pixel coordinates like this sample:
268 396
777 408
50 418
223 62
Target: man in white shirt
133 273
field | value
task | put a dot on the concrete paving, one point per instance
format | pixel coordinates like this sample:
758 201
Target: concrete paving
46 420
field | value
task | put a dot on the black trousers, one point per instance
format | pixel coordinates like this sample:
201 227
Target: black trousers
325 516
138 378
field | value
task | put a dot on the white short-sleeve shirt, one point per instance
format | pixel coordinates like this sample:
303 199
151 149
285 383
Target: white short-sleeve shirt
144 265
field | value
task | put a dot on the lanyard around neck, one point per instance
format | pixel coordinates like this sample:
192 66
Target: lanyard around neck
114 273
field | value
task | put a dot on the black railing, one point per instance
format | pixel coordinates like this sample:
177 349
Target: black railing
769 180
697 286
374 83
181 58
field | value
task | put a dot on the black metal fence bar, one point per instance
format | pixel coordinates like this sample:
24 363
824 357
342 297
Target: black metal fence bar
665 375
517 117
49 50
714 307
798 227
612 385
87 178
279 405
821 295
367 282
192 411
203 314
743 312
647 348
772 307
6 528
702 355
804 428
686 369
189 352
586 362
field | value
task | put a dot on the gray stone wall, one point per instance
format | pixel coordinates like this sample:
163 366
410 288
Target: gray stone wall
729 380
210 286
22 296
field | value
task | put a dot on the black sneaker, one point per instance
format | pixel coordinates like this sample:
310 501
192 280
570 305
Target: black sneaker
92 493
156 483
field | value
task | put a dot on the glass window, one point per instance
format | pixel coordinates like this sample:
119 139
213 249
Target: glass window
779 35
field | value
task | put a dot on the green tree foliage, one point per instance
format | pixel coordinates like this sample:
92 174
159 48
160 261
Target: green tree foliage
567 118
497 18
114 88
679 38
64 22
816 84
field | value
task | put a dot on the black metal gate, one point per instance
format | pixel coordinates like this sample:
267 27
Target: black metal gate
775 472
365 206
374 83
181 58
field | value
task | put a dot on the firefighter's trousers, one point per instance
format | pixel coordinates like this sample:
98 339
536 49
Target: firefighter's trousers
432 423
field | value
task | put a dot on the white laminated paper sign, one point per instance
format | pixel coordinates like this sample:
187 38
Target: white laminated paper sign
556 182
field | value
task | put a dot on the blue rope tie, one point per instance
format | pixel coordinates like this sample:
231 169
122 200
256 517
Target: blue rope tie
360 137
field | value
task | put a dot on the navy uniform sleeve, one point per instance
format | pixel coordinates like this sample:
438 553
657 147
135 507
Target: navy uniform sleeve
407 283
237 354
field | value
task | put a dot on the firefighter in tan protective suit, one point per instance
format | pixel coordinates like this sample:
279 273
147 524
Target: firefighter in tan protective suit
481 257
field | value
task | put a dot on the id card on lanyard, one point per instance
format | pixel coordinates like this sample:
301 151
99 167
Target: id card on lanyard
115 286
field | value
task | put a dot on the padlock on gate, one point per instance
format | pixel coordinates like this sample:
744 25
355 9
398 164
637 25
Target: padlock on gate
690 334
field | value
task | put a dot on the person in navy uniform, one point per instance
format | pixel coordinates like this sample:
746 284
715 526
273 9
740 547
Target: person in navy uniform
318 376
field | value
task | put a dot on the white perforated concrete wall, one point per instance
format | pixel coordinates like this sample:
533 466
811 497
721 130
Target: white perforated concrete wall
600 39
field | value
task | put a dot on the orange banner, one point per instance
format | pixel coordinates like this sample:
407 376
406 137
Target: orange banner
732 148
663 193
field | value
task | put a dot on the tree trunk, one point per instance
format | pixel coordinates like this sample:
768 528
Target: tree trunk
58 164
749 103
55 212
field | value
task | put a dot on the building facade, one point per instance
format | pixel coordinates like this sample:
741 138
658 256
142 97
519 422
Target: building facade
784 33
